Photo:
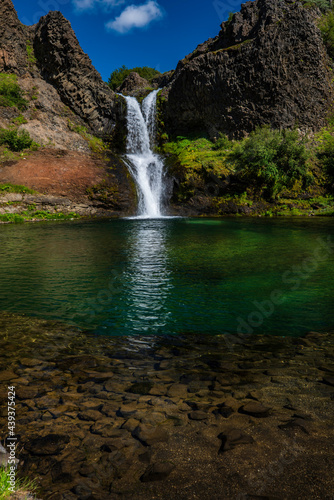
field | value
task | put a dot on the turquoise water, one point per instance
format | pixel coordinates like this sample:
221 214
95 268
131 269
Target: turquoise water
172 276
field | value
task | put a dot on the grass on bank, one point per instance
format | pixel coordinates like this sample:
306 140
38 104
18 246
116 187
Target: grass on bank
15 188
31 214
21 485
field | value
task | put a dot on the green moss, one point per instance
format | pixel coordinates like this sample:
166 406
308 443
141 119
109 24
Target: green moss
15 188
96 144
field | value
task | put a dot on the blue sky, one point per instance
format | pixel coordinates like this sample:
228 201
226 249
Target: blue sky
156 33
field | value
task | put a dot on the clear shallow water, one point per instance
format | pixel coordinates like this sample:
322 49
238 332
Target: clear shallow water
172 276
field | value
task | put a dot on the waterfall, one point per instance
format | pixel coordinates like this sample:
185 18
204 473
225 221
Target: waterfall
145 166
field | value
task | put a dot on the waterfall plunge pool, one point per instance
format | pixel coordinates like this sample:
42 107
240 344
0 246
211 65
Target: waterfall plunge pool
173 276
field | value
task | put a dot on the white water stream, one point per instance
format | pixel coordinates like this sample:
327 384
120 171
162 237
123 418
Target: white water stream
145 166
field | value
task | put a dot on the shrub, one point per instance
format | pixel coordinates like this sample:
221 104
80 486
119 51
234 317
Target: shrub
271 160
118 76
10 92
326 26
16 140
323 5
19 120
222 142
325 151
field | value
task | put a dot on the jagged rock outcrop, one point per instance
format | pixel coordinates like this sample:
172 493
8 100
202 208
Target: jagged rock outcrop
13 40
267 66
63 63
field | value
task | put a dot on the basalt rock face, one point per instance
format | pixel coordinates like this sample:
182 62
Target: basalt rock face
267 66
63 63
13 40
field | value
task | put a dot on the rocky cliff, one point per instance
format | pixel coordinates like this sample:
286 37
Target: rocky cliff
68 104
268 65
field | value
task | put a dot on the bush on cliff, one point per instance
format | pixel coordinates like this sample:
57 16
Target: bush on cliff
323 5
118 76
10 92
271 160
325 152
326 25
16 140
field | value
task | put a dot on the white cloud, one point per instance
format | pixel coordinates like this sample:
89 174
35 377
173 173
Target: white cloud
136 16
89 4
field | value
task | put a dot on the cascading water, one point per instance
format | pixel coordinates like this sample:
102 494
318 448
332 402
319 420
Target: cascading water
145 166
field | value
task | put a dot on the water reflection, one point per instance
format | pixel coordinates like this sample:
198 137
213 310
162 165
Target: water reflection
147 278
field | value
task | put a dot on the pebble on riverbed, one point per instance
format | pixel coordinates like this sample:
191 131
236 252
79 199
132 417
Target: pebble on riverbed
98 420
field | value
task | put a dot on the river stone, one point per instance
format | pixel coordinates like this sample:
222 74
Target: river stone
177 391
157 472
255 409
295 424
131 424
158 390
142 388
232 438
198 415
149 436
7 375
90 415
52 444
328 380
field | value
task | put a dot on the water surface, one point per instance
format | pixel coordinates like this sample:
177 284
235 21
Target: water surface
172 276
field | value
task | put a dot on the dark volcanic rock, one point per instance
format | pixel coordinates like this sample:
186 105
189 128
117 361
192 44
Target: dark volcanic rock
64 64
267 66
13 41
133 83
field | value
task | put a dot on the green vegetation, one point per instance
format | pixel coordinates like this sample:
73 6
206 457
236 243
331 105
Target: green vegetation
30 53
270 172
195 161
271 161
32 214
230 17
104 192
23 485
118 76
19 120
17 140
96 144
324 5
326 26
15 188
10 92
325 152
